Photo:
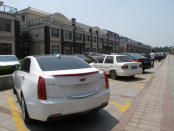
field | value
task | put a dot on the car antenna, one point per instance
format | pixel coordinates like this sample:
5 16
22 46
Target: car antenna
58 56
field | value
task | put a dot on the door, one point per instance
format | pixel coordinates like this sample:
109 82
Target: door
99 63
22 73
108 64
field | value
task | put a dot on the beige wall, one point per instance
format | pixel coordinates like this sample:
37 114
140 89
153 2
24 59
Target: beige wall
8 37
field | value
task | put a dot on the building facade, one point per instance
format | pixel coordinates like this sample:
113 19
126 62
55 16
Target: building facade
9 29
131 46
54 33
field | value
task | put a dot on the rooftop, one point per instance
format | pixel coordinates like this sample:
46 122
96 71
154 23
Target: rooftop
7 9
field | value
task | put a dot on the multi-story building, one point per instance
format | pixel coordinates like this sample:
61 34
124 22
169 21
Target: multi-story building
9 29
54 33
129 45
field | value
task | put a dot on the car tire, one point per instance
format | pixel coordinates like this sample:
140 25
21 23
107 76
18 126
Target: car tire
113 75
25 115
132 76
14 90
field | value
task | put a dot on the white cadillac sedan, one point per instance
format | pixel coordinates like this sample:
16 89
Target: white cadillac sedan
118 65
54 86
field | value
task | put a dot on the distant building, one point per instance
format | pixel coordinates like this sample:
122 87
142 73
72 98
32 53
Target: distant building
129 45
9 29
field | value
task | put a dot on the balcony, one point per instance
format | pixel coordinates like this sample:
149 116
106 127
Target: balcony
7 9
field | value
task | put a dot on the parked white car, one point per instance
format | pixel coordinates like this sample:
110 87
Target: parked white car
54 86
118 65
8 64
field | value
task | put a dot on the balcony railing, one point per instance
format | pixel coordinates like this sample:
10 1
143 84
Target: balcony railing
8 9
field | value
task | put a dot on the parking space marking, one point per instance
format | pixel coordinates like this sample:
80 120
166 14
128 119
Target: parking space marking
16 115
123 108
140 85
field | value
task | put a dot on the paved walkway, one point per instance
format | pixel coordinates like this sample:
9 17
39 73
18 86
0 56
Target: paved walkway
152 108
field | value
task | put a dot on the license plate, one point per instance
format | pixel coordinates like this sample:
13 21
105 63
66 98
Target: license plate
145 61
134 67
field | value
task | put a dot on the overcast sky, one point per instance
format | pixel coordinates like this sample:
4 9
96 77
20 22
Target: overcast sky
148 21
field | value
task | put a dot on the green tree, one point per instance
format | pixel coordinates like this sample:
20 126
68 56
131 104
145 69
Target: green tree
25 42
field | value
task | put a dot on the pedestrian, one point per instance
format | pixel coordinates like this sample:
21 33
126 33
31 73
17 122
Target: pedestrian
152 57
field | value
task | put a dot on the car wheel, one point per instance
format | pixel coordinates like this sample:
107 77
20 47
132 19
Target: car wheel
25 115
113 75
132 76
14 90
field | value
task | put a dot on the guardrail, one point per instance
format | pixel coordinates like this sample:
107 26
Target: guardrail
6 82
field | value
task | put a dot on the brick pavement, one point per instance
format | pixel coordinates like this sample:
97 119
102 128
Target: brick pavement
152 108
6 120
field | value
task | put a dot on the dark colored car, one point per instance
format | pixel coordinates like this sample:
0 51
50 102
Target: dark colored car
88 60
146 62
158 56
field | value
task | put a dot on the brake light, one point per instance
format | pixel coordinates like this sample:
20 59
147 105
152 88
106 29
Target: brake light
106 81
124 67
78 74
138 60
41 89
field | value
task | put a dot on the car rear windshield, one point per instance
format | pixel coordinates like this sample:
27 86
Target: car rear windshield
121 59
53 63
8 58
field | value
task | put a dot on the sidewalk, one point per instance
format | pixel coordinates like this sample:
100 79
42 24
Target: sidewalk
152 108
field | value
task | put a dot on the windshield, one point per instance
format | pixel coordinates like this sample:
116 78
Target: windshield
121 59
52 63
8 58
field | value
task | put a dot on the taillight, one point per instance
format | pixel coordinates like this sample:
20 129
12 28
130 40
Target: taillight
124 67
138 60
106 81
41 89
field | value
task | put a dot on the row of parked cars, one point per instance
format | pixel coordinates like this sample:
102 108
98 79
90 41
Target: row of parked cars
53 86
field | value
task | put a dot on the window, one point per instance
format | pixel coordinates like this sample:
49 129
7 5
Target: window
68 35
54 32
25 65
5 25
109 59
5 48
54 49
78 36
23 18
100 60
52 63
8 58
94 39
121 59
87 38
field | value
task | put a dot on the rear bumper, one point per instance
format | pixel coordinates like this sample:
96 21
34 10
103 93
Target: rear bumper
44 110
128 72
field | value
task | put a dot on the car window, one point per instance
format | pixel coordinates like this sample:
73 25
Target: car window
25 65
8 58
109 59
52 63
121 59
99 60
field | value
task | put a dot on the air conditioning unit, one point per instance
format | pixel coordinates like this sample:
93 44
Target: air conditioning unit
1 3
